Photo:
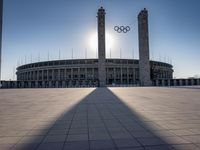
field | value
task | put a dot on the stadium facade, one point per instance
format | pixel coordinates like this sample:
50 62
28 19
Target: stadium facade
84 72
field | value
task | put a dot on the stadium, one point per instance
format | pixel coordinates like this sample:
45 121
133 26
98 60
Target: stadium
102 71
84 72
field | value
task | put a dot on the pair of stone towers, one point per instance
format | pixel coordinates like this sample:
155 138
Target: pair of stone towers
143 36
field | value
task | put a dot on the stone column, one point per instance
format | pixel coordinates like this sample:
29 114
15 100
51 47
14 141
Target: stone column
93 73
101 47
163 82
29 84
121 81
65 74
23 75
1 17
198 81
168 81
56 84
47 74
85 77
114 75
50 84
27 75
42 75
134 80
144 64
186 82
34 75
8 84
38 73
157 84
63 84
79 76
72 74
59 70
4 84
127 75
53 75
22 84
30 75
36 84
174 82
192 81
180 82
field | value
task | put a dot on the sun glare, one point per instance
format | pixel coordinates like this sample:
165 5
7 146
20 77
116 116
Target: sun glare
93 41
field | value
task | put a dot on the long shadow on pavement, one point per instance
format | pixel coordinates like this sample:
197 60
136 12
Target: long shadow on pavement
100 121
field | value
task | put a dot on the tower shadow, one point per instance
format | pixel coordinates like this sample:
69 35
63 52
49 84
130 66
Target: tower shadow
100 121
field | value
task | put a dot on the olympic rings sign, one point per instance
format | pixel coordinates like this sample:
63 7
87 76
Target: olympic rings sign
123 29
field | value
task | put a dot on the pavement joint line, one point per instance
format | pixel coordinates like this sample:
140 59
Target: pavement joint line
19 140
106 128
48 133
88 128
51 126
74 107
122 123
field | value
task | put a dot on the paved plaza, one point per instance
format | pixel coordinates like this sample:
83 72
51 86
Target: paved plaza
134 118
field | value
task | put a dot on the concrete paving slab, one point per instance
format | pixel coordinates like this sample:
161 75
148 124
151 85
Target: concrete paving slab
100 118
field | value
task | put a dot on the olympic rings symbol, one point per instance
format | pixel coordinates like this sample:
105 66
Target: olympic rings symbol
123 29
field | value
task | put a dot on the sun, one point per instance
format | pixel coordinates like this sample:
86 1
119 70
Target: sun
93 41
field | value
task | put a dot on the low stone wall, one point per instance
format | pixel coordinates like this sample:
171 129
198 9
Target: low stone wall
47 84
66 84
176 82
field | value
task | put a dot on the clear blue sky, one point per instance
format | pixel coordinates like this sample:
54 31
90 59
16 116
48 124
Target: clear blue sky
38 27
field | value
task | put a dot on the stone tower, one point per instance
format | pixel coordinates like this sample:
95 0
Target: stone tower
101 47
1 18
144 64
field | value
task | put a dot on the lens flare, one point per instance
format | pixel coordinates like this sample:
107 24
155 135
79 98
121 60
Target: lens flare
93 41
